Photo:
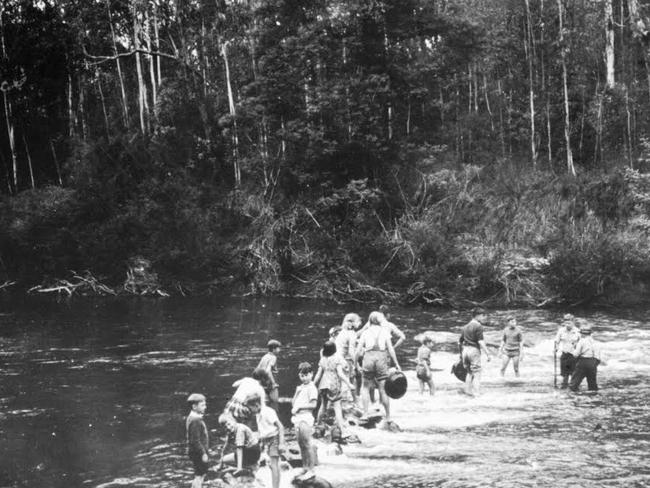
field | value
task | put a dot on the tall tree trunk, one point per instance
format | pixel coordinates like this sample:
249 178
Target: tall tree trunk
233 114
72 122
152 61
609 43
125 105
103 101
82 107
8 109
56 163
29 162
567 120
143 105
547 92
528 49
156 34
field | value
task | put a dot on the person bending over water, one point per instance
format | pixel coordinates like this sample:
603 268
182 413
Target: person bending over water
471 343
512 346
376 347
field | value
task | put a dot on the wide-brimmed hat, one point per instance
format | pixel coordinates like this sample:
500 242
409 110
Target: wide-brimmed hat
273 343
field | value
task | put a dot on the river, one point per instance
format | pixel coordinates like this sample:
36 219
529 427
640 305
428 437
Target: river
92 393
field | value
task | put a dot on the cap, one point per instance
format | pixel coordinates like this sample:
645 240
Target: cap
568 316
585 329
195 397
273 343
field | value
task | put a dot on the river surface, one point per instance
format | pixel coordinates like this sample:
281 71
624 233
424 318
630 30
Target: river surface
92 393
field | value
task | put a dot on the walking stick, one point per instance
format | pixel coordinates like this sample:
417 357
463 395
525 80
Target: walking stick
554 365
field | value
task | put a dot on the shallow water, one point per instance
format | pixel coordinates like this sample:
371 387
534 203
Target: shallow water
92 394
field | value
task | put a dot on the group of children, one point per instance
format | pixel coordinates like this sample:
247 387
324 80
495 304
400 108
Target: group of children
351 357
250 417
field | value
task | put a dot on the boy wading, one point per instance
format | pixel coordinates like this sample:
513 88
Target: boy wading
197 438
471 344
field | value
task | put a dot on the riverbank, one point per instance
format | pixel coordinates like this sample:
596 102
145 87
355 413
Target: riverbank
458 238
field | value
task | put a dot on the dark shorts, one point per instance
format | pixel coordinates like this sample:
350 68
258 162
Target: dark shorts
375 365
421 373
567 364
514 353
200 468
330 394
272 445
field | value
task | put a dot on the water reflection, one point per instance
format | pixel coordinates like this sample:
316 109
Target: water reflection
93 394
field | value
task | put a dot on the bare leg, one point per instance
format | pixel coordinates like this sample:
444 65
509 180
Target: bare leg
504 364
421 386
383 398
197 482
469 379
275 471
432 389
515 365
338 415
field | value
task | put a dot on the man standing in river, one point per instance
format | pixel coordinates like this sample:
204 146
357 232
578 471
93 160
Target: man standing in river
471 343
565 341
588 357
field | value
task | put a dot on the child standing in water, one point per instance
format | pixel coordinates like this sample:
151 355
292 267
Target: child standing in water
330 376
269 363
423 367
271 438
197 438
303 405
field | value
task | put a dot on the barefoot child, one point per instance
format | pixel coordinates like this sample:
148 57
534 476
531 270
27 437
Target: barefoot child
329 378
271 438
423 367
269 363
197 438
303 405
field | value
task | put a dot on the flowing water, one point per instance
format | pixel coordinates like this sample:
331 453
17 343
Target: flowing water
93 394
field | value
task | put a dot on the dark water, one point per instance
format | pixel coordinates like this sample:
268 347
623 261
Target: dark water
92 393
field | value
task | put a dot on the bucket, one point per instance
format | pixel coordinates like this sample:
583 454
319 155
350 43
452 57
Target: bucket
396 385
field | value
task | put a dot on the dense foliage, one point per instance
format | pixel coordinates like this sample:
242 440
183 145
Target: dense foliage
432 151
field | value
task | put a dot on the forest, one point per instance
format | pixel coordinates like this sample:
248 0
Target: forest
441 152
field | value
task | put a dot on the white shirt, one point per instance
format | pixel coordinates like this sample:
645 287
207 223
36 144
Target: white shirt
266 420
587 348
375 337
567 339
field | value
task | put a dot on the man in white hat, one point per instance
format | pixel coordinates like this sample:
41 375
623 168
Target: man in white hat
587 354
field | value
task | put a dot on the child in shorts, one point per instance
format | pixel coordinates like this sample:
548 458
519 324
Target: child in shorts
423 367
303 405
329 378
271 438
